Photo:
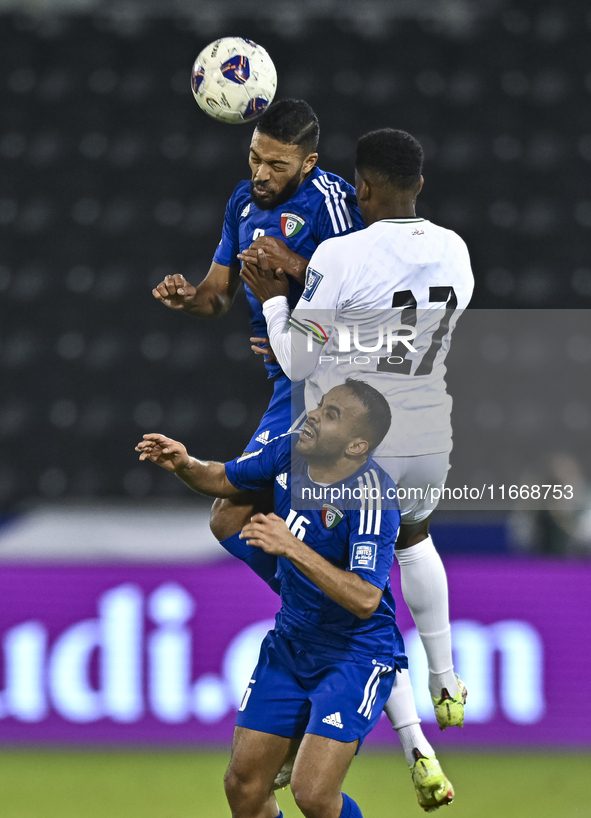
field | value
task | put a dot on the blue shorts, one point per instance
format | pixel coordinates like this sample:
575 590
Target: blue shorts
284 410
293 692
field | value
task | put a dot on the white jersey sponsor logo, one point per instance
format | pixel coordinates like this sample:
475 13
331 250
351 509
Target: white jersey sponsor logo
334 720
282 480
262 438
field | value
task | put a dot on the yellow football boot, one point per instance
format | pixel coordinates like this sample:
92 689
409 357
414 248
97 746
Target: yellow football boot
432 786
449 710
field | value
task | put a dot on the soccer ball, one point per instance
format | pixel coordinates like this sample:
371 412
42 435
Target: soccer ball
233 80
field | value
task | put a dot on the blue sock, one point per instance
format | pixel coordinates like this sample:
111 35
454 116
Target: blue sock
280 815
350 808
263 564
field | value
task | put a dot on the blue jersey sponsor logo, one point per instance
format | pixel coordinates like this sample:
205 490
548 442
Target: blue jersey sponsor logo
364 556
313 279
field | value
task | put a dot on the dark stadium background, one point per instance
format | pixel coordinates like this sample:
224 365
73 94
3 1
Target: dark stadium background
111 177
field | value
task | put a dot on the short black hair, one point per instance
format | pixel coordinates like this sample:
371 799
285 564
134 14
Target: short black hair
293 122
378 416
395 157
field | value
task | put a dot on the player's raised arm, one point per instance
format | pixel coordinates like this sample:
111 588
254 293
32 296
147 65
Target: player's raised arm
205 477
210 299
347 589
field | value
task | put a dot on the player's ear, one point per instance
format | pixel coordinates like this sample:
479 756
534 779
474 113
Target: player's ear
419 186
362 189
357 447
309 162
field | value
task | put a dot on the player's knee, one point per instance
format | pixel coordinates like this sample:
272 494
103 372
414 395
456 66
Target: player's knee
412 533
243 791
312 797
233 787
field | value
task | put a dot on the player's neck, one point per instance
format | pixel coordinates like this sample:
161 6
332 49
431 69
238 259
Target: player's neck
306 176
394 210
335 472
384 204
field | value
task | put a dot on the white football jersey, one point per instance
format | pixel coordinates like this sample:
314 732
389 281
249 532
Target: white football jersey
385 301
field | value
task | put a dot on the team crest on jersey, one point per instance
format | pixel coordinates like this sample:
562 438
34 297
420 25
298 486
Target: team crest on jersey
331 515
291 224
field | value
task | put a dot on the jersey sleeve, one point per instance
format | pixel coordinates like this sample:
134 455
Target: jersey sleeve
255 470
228 248
338 213
298 345
371 544
325 277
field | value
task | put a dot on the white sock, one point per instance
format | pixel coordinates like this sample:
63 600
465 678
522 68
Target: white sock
402 712
424 587
411 737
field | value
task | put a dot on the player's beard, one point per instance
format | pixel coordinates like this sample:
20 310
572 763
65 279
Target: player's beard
280 197
319 452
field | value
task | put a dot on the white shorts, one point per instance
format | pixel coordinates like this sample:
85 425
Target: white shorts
415 477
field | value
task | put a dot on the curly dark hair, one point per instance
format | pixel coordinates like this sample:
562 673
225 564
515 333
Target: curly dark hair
394 156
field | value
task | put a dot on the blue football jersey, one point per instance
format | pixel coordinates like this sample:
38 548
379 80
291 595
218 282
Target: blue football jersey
322 207
354 535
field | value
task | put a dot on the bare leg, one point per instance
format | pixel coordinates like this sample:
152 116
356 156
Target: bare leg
411 534
318 774
255 761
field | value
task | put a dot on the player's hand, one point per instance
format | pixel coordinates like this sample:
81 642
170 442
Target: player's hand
270 533
175 292
250 261
165 452
280 255
257 272
261 346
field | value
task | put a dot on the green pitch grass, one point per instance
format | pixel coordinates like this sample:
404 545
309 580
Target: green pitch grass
88 784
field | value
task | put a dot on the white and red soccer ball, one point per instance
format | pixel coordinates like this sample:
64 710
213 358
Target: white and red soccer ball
233 80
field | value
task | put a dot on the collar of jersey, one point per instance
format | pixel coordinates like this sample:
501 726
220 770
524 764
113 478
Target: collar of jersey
307 182
403 221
